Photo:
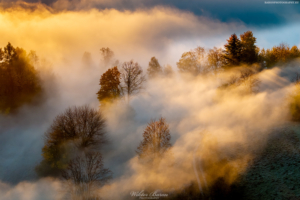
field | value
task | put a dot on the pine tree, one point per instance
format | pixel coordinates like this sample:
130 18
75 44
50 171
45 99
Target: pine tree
249 49
232 53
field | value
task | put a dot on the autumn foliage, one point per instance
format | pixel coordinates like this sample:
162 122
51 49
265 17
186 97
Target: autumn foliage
110 85
19 81
156 141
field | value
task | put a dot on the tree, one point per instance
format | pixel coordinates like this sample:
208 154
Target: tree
168 71
156 141
278 55
294 52
84 174
132 78
215 59
107 55
249 53
110 85
232 52
154 68
81 127
19 81
193 62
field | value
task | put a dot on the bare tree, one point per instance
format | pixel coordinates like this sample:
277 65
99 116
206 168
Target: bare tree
83 125
78 128
84 174
156 140
132 78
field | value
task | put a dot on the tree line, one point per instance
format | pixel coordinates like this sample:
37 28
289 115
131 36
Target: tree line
128 79
20 83
237 51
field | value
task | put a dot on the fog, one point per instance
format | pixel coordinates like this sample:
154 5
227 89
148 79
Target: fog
207 124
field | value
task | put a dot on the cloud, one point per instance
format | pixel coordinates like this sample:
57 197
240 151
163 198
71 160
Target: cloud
204 122
46 189
206 126
254 13
130 34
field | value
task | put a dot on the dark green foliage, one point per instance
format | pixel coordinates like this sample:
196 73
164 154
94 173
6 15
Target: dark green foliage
55 160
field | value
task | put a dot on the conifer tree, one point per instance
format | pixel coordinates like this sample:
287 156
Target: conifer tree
232 53
249 53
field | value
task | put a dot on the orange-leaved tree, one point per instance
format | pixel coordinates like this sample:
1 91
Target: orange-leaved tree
110 85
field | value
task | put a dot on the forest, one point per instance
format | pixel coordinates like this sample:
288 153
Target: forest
195 144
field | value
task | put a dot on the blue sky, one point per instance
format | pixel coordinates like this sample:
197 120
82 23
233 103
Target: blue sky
251 12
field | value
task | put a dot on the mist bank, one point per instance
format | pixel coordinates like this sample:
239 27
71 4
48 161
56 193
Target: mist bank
215 132
255 13
206 125
137 34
